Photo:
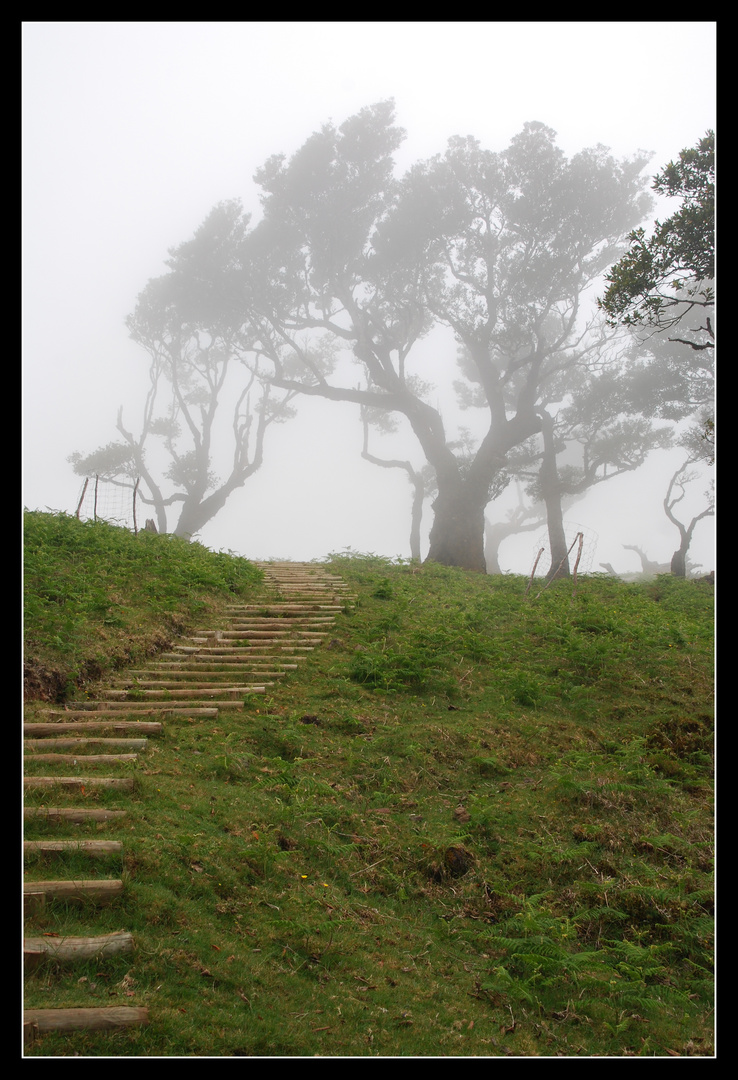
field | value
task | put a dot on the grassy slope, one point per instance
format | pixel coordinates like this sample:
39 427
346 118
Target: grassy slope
478 823
97 598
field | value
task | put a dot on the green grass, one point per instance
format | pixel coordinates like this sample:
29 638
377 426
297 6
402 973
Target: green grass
97 598
475 823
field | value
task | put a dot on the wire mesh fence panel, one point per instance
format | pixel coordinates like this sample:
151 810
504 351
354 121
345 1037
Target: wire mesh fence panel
112 501
540 561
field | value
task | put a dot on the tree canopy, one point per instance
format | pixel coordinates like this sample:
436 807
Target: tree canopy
500 247
667 276
351 266
189 323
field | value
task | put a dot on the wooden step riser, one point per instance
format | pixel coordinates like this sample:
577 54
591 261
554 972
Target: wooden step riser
225 693
82 759
244 623
41 1021
101 892
126 745
109 712
75 949
238 646
77 782
82 726
65 847
230 658
197 676
242 671
285 611
184 710
256 636
74 814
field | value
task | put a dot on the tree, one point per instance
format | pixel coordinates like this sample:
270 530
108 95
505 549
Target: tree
498 247
187 323
674 495
664 285
660 285
668 276
591 437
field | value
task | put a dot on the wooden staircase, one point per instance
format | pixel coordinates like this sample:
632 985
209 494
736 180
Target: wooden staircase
258 645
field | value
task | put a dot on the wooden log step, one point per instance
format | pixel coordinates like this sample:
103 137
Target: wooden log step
85 847
313 581
181 709
110 712
283 610
241 635
75 814
76 949
307 625
195 681
235 652
217 664
101 891
168 710
254 622
296 649
307 595
260 641
122 783
81 727
226 692
129 745
311 587
106 1019
196 678
85 759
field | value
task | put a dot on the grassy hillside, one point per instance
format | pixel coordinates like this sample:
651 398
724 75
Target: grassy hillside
96 597
477 822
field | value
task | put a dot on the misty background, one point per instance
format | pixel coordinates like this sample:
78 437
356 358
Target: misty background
133 131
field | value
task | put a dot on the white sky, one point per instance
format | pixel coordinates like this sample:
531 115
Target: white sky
132 131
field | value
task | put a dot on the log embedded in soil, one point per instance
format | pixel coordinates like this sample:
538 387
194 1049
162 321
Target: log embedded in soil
79 782
99 891
82 727
85 847
86 759
72 813
34 746
72 949
228 694
85 1019
111 711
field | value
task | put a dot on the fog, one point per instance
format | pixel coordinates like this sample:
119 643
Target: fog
133 131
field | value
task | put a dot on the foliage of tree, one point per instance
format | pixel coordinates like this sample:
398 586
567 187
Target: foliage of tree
188 323
350 267
664 284
666 278
499 247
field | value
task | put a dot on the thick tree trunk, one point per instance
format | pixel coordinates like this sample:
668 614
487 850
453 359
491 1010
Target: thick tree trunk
679 561
457 535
